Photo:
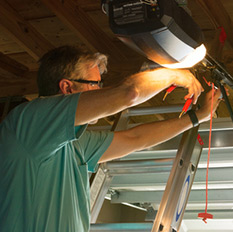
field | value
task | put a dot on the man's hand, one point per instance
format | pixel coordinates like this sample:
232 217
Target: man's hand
204 113
186 79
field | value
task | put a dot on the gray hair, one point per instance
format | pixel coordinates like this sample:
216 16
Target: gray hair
66 62
89 61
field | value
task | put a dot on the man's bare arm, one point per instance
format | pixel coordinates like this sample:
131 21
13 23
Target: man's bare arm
147 135
134 90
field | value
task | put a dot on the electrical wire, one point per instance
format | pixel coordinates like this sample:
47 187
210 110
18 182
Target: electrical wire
103 9
206 215
169 90
210 133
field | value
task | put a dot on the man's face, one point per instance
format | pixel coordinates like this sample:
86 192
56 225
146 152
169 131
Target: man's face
92 75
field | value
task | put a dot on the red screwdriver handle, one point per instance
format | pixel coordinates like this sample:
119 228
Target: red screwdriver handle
186 106
169 90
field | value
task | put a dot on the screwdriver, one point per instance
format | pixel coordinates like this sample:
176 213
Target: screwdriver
186 106
187 103
169 90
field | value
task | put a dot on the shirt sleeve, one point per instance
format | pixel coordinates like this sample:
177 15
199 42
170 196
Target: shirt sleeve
91 146
46 124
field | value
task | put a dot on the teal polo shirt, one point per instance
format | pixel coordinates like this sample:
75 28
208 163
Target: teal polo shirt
44 164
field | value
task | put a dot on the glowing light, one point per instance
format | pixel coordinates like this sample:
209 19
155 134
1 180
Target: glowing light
193 58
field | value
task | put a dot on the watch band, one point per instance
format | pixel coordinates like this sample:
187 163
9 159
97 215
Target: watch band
193 118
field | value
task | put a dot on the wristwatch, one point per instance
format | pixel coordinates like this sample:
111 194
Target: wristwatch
193 118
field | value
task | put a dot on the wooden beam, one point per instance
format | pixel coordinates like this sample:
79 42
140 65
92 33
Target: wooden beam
89 5
205 8
19 86
216 48
85 28
22 32
10 65
218 14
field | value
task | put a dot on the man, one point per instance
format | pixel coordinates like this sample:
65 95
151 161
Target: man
45 152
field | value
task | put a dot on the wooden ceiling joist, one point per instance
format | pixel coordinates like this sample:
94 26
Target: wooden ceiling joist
219 16
19 86
216 47
12 66
88 5
85 28
22 32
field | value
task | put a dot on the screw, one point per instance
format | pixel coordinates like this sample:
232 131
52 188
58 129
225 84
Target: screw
160 227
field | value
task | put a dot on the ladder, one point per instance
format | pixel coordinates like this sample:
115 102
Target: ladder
175 197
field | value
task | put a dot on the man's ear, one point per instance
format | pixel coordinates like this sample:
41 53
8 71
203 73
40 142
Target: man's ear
65 86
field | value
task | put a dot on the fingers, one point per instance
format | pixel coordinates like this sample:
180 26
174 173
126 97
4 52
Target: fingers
195 90
216 99
217 93
187 80
198 90
205 111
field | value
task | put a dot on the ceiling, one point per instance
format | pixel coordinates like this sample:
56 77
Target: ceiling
30 28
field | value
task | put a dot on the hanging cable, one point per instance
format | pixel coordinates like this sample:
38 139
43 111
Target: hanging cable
206 215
